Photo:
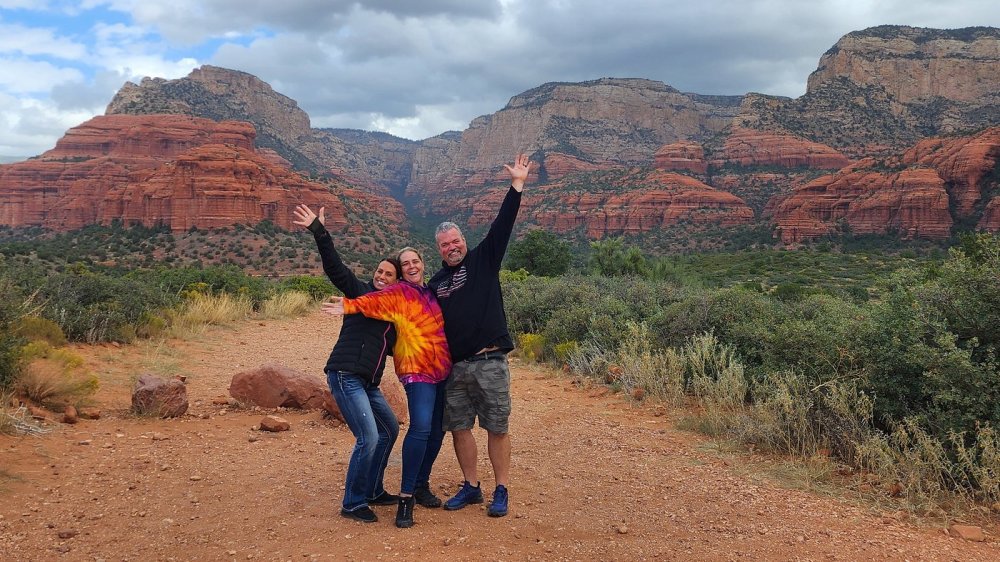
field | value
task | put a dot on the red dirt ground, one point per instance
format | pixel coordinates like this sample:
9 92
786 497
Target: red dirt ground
594 477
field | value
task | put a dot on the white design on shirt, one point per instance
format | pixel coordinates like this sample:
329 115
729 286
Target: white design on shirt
456 282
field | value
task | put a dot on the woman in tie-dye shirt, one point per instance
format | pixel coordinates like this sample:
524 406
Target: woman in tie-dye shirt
422 362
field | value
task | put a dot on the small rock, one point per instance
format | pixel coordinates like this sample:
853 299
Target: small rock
38 413
967 532
195 478
622 530
84 442
159 437
274 423
90 413
70 416
68 533
252 438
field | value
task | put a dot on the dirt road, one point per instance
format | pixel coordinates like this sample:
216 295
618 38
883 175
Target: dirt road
593 478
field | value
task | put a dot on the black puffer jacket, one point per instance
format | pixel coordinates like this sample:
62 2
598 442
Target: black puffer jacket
364 342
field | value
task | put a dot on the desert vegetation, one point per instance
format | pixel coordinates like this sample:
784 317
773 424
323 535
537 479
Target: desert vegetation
891 375
48 305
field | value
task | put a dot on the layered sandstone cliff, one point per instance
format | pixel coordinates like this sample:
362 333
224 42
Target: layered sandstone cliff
373 161
616 202
749 148
920 193
171 170
913 64
880 90
603 122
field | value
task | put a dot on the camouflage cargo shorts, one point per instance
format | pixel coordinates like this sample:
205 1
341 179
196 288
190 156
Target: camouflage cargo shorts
479 387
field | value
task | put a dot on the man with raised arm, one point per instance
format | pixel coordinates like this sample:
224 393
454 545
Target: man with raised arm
468 290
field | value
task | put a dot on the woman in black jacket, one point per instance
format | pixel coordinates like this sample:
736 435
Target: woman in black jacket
354 371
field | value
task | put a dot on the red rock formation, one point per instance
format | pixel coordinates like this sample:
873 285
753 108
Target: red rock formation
748 147
682 156
174 170
963 162
913 203
558 165
991 216
935 177
637 202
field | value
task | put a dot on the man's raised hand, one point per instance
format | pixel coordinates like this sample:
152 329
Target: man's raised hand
519 171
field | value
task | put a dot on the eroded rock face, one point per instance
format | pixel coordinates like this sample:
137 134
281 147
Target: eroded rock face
682 156
621 202
916 63
604 122
749 148
173 170
881 90
918 194
911 203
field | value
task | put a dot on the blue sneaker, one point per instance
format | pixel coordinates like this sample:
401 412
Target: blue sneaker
466 495
498 507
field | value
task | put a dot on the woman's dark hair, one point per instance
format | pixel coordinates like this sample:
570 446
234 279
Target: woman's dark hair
395 264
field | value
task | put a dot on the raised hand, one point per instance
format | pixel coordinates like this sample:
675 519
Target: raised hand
335 307
305 216
519 171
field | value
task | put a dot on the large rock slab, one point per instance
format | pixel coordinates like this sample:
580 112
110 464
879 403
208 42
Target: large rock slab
277 386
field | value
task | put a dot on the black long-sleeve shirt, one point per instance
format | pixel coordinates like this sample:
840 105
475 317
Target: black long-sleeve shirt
469 293
364 342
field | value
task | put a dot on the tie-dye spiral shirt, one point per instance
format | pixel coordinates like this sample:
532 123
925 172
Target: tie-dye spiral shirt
421 352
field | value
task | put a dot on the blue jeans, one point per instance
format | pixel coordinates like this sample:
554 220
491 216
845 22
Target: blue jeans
375 428
425 402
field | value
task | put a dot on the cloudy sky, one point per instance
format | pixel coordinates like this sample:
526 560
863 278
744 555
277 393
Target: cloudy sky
416 68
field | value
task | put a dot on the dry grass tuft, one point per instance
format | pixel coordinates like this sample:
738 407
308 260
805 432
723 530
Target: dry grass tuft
52 383
286 305
201 310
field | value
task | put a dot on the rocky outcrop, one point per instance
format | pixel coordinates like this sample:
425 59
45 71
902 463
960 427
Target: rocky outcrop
375 162
620 202
749 148
921 193
882 89
913 64
967 164
170 170
682 156
604 122
912 203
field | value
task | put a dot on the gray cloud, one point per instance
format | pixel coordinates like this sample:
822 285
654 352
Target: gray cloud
420 67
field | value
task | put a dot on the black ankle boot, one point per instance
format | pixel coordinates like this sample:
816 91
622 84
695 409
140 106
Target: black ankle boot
404 514
426 497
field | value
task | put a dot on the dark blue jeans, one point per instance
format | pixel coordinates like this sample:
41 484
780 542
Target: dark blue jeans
375 428
425 402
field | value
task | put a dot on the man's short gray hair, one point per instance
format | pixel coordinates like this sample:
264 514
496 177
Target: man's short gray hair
445 227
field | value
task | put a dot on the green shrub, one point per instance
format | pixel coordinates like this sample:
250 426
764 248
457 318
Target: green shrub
10 340
34 328
318 288
539 253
